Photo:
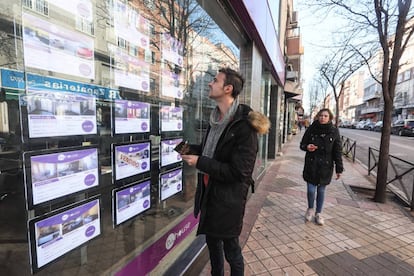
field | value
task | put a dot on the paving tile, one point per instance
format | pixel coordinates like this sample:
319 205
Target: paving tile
257 267
250 257
270 264
264 243
304 255
272 251
293 258
304 269
291 271
315 253
282 261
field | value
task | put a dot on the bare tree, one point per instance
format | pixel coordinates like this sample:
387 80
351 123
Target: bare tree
336 69
317 92
389 24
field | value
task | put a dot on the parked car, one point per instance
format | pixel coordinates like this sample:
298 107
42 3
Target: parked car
404 127
369 126
346 124
360 124
378 126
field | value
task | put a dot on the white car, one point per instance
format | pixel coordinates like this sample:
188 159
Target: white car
360 124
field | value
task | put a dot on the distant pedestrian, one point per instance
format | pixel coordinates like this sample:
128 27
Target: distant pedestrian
226 159
322 144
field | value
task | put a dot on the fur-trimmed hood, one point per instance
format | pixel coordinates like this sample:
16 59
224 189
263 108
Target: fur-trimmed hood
259 122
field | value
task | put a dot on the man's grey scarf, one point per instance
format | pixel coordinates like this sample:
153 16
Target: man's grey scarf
217 127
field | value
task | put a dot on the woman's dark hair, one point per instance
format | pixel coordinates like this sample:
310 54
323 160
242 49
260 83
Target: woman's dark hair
233 78
331 115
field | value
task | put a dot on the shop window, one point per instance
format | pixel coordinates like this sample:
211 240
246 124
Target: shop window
40 6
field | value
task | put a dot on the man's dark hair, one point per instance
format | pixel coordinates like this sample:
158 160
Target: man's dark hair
233 78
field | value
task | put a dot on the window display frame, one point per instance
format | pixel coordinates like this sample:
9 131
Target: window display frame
131 177
146 204
162 162
167 176
62 215
170 119
87 121
144 124
89 179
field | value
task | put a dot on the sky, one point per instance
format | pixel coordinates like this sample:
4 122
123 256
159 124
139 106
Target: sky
317 30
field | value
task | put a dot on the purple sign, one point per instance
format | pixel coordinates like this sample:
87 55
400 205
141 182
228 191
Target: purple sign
150 257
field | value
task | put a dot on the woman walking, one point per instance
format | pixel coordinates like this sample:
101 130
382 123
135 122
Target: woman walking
322 144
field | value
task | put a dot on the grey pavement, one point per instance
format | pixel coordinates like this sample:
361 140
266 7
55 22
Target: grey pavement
360 237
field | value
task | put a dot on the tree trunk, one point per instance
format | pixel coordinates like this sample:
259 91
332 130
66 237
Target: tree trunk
381 185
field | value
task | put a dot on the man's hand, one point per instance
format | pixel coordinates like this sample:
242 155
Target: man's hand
191 160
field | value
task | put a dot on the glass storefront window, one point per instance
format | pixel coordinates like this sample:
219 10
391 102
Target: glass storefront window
95 94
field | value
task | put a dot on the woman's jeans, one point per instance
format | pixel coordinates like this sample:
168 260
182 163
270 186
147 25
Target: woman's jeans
320 196
232 252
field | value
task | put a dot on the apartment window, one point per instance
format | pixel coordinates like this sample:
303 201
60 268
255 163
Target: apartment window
151 30
152 84
399 78
122 43
85 26
407 75
40 6
149 4
133 50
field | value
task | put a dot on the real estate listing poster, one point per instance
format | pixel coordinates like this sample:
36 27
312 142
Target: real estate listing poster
168 155
55 234
171 183
51 47
53 175
131 117
131 159
52 114
131 201
171 118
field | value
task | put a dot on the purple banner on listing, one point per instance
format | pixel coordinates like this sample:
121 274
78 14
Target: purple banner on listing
150 257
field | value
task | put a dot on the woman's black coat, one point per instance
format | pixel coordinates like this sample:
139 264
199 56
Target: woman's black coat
319 164
222 203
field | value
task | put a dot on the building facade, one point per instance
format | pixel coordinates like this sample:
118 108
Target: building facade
366 102
95 94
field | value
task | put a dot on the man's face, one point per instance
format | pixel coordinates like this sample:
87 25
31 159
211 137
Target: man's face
217 87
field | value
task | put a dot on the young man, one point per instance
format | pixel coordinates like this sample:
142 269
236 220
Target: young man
226 160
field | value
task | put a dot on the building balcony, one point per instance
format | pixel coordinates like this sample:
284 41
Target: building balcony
367 110
294 46
292 76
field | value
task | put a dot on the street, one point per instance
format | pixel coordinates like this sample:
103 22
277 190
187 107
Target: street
400 146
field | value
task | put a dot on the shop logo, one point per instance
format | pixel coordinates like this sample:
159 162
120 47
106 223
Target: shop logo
169 243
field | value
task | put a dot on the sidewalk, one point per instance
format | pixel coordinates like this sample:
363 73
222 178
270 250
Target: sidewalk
360 237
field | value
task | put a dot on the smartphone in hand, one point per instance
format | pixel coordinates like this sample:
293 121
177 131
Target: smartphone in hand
183 148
